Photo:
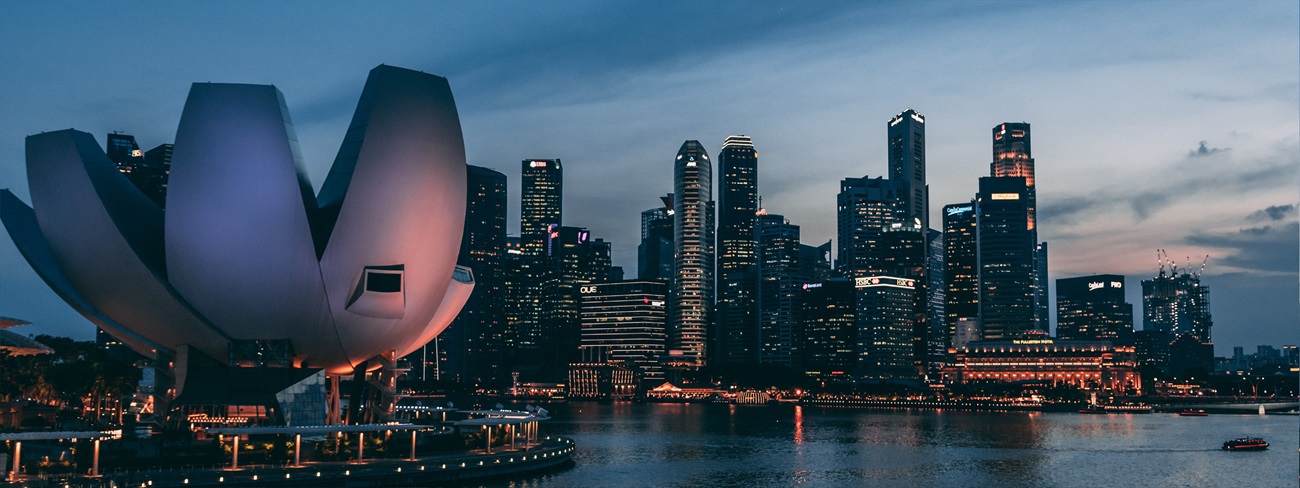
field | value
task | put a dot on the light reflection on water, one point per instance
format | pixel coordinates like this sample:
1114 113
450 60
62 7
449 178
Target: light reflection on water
629 444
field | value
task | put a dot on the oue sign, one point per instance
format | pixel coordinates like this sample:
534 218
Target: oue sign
587 289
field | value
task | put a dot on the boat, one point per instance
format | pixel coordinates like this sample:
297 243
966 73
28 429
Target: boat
1245 444
1093 409
1192 413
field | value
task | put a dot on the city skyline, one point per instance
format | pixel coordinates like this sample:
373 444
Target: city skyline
1169 130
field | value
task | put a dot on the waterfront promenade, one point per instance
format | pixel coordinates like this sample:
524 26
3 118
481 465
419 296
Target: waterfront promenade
551 452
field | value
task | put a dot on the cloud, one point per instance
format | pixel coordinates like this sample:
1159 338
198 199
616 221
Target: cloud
1205 150
1269 248
1273 212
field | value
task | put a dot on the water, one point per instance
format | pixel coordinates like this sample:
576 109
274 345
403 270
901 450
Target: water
673 445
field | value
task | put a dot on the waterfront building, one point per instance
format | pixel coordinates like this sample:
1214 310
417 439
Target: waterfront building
828 345
473 347
885 320
626 322
778 307
864 206
245 267
1093 308
902 252
602 381
1176 305
906 133
1083 364
1005 257
961 271
1042 317
655 253
737 287
541 203
691 302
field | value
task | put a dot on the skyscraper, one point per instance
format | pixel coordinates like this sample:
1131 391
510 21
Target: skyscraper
828 345
907 165
1176 318
1012 156
864 207
1092 308
1005 254
936 294
885 323
541 192
737 320
961 272
474 344
778 293
691 304
655 253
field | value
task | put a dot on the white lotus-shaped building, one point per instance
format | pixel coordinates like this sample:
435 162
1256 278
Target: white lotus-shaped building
244 254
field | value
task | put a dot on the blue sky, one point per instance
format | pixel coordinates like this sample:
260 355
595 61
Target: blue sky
1156 125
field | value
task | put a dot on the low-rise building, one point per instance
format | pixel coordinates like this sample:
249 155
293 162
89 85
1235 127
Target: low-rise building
1084 364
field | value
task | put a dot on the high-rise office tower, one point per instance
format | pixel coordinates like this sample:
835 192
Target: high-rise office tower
936 294
577 260
907 165
1012 156
1042 316
864 206
1176 317
737 305
1092 308
691 304
885 321
815 262
473 346
961 272
779 284
626 322
1005 256
541 192
828 345
159 160
902 253
148 172
655 253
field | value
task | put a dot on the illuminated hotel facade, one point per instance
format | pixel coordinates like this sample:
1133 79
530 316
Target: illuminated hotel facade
624 322
1082 364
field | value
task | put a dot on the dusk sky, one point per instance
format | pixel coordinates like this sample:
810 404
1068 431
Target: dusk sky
1170 125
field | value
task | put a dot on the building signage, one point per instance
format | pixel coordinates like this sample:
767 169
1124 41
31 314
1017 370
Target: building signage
960 210
1006 196
537 164
1097 285
809 286
587 289
1032 341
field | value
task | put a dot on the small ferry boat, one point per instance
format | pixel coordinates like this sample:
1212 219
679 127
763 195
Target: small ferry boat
1245 444
1192 413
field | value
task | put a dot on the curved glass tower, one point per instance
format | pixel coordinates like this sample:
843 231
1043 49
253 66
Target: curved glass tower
692 292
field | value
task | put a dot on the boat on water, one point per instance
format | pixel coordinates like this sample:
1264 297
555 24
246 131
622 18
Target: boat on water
1192 413
1245 444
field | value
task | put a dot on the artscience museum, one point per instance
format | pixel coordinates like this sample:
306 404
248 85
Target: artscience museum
244 266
